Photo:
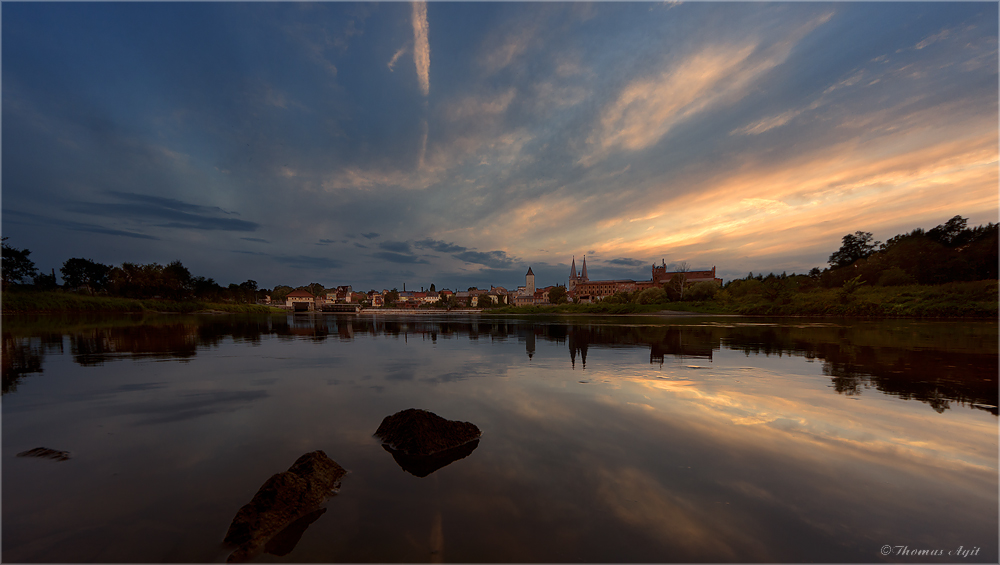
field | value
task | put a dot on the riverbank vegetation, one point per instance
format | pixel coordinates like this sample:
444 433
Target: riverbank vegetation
24 301
948 271
89 286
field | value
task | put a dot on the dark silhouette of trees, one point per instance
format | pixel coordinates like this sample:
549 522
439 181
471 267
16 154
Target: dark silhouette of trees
15 265
315 289
858 245
950 252
558 295
44 281
78 273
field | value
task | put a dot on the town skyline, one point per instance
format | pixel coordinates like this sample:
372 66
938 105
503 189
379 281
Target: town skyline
458 144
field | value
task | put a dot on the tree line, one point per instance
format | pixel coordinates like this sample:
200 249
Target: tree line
129 280
950 252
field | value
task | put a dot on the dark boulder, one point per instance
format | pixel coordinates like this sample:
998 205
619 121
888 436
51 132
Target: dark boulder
281 501
419 432
45 453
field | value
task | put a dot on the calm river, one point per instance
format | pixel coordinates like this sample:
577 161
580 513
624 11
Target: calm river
614 439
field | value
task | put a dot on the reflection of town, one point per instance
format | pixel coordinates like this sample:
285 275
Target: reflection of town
934 369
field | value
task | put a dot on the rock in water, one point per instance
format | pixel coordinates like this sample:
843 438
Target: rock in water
281 500
46 453
419 432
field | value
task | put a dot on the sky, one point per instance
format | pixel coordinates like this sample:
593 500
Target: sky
458 144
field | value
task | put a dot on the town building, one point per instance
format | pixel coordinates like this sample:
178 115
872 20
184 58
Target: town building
661 276
582 289
573 278
301 301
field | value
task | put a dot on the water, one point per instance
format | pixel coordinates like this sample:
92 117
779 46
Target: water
604 439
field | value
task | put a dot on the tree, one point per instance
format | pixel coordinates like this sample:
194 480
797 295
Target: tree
43 281
15 265
651 296
675 287
280 292
79 272
316 289
679 280
952 233
175 281
390 297
558 295
432 289
704 290
858 245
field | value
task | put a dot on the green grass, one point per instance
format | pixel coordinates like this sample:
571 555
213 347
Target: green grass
55 301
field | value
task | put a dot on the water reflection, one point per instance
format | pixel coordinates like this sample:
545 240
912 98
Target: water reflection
938 364
423 465
756 456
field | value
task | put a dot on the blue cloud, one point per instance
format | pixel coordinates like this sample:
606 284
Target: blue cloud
398 257
626 262
306 262
396 246
178 214
440 246
77 226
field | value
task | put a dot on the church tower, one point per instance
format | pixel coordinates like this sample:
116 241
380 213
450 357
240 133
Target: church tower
583 273
529 283
572 276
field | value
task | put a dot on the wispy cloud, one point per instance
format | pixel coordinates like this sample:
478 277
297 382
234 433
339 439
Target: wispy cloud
396 56
175 213
492 259
501 52
440 246
397 246
479 106
766 124
307 262
71 225
943 34
421 46
255 239
398 257
627 262
646 109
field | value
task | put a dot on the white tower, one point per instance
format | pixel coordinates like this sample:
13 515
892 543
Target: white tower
529 283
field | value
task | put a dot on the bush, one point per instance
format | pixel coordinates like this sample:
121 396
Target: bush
741 288
651 296
702 291
895 276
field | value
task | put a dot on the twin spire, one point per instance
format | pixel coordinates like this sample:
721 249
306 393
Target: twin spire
583 274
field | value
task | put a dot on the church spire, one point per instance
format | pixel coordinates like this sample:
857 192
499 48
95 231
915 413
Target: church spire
572 269
583 273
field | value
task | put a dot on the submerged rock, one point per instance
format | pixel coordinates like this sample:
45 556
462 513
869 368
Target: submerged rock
419 432
281 501
46 453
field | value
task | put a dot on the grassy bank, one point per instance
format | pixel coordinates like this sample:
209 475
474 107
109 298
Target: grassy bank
953 300
31 302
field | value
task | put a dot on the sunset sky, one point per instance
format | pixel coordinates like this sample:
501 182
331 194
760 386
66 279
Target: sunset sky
460 143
